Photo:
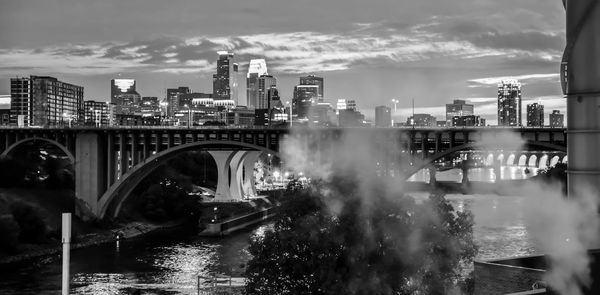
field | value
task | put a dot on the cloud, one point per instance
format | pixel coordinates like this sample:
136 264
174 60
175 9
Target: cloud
524 79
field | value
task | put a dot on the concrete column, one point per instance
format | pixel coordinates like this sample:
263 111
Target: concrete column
134 149
110 157
90 177
235 183
438 142
223 160
147 142
452 138
158 142
124 161
424 138
248 186
170 140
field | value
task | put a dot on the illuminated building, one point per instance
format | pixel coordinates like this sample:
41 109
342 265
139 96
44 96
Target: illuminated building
383 116
557 119
124 96
314 80
304 97
98 113
467 121
256 68
225 85
458 108
44 101
265 83
422 120
535 115
509 103
173 99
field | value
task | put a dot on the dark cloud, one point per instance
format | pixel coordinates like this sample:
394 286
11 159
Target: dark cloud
75 51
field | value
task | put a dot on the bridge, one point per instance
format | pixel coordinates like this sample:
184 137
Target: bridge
110 162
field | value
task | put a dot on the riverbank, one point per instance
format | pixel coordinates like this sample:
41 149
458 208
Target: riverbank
130 230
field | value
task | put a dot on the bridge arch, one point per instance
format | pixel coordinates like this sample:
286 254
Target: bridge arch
19 143
111 201
473 145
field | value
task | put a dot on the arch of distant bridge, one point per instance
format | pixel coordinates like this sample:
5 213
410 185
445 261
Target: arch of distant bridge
474 145
111 201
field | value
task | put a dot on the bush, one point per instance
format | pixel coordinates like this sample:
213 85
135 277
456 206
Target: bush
30 221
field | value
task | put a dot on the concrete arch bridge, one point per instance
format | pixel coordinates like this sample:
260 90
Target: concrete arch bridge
110 162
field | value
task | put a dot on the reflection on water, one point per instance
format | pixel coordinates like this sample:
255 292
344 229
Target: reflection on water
485 174
170 264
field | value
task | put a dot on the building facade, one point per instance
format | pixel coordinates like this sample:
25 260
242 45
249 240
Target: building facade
45 101
124 96
314 80
467 121
99 113
304 97
173 99
225 85
256 68
421 120
557 119
265 84
509 103
458 108
383 116
535 115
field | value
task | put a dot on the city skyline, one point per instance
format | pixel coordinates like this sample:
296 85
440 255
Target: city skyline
434 55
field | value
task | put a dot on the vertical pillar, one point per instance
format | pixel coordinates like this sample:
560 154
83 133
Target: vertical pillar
110 156
147 142
248 174
90 176
170 140
452 138
134 148
158 142
424 138
438 142
124 157
222 159
235 183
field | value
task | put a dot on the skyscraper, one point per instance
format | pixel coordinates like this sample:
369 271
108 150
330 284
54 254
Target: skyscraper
124 95
509 103
304 97
535 115
225 85
314 80
173 95
44 101
458 108
383 116
256 68
98 113
557 119
265 83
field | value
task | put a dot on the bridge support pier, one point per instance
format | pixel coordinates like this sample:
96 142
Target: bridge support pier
223 161
432 178
235 182
90 173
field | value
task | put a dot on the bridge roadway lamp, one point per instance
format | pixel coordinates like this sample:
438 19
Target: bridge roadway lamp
580 81
66 241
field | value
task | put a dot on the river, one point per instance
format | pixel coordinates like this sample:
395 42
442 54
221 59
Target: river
170 263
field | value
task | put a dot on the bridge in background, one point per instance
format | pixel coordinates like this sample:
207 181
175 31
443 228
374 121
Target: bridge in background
110 162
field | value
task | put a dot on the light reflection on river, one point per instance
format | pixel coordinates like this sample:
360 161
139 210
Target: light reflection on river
170 264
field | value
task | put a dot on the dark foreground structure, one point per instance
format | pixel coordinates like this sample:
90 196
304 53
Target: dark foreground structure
525 275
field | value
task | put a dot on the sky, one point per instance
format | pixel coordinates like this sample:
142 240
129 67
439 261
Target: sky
429 51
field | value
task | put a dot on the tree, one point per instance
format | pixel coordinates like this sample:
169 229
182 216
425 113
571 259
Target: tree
343 242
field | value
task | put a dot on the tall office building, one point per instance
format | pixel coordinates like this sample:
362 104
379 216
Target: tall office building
265 83
458 108
557 119
173 95
44 101
124 96
535 115
256 68
509 103
383 116
225 85
314 80
422 120
304 97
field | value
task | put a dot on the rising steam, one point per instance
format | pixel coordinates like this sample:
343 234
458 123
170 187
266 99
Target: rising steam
563 228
